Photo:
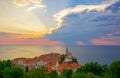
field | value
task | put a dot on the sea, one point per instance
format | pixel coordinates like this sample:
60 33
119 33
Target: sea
84 54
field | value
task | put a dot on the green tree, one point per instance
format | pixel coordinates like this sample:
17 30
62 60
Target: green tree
7 73
91 75
37 73
113 70
74 60
84 75
78 75
92 67
67 73
3 65
62 58
1 69
13 72
53 74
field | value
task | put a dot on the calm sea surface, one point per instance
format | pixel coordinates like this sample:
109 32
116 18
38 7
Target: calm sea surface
84 54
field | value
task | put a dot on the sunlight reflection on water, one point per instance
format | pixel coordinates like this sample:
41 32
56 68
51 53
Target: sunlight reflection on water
11 52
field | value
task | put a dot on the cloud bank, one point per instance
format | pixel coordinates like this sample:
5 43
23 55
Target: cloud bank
107 40
59 17
88 24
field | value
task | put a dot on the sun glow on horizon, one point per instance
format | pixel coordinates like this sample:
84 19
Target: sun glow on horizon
18 21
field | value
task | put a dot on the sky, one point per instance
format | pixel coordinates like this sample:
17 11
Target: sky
59 22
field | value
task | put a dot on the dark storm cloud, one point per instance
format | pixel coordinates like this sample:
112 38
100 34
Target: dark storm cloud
87 26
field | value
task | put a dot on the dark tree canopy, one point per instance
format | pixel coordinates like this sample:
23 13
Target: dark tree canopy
89 70
113 70
67 73
92 67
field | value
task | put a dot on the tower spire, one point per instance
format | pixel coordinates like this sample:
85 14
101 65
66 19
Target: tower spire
67 50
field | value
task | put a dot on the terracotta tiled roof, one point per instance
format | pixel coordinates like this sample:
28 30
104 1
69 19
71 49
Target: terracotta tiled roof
30 67
66 65
49 70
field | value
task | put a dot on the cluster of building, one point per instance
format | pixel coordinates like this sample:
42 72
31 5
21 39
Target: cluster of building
51 61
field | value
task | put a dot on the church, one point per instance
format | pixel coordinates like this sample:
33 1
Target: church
68 57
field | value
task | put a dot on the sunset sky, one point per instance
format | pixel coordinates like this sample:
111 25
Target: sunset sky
60 22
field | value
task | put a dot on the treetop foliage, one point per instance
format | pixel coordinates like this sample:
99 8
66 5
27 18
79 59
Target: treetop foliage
89 70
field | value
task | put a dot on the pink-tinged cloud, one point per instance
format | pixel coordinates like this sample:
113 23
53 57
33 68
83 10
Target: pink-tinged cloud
80 43
108 40
13 39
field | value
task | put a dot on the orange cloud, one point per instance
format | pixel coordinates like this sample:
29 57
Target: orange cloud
35 35
108 40
16 39
44 43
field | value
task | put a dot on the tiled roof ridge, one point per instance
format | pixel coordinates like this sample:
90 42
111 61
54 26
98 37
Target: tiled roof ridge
37 56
